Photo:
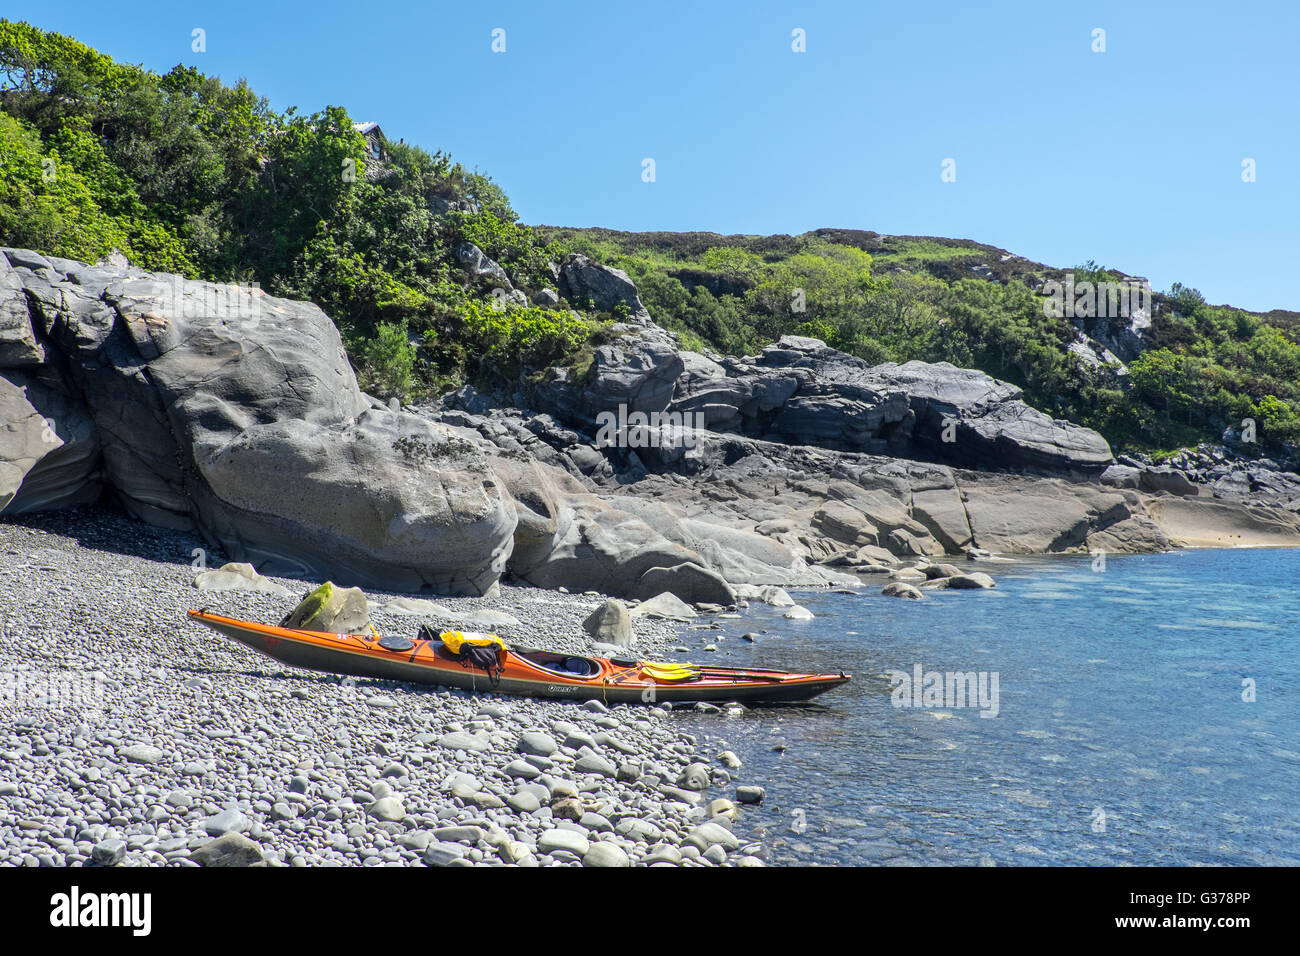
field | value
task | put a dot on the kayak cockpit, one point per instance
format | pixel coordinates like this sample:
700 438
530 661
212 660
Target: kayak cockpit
562 665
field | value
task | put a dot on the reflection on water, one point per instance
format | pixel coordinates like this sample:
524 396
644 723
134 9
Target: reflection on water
1122 736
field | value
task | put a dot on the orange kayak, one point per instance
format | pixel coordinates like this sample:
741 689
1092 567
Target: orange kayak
519 671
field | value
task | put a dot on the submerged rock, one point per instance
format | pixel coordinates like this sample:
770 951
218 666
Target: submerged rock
975 579
901 589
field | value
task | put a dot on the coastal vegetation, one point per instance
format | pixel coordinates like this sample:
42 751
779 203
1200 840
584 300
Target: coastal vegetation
186 174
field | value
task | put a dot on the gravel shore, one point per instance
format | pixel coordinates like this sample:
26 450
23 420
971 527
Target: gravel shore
132 737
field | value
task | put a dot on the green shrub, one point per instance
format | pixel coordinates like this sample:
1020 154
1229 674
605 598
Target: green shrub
389 360
514 339
1278 420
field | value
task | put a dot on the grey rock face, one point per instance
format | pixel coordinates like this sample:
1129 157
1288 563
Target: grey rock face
800 391
1166 479
472 260
1125 337
441 205
637 372
237 413
690 582
49 452
18 345
583 281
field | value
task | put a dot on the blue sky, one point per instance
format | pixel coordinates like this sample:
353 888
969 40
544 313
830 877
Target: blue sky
1131 157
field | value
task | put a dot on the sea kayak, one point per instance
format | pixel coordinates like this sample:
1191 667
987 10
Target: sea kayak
520 671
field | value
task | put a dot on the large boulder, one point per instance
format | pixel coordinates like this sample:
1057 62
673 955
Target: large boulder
388 500
237 576
543 515
471 258
237 413
584 281
604 549
1017 436
901 589
738 554
667 606
743 556
1121 476
971 581
691 582
1163 478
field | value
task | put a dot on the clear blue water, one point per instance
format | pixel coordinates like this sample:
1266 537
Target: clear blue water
1120 694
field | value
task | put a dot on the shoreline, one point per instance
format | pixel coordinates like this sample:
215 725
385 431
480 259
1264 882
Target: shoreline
1200 523
192 736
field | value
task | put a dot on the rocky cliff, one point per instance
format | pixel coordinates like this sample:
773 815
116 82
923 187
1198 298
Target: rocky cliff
237 414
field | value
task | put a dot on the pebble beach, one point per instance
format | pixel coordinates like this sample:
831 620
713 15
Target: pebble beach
132 737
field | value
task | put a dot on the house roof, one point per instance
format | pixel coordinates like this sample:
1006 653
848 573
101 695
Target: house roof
365 129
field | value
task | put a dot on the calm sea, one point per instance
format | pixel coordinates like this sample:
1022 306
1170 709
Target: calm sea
1146 714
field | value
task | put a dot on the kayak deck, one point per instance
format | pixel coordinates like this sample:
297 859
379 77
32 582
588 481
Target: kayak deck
524 673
